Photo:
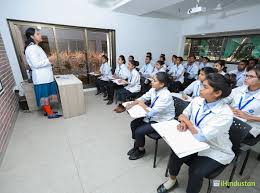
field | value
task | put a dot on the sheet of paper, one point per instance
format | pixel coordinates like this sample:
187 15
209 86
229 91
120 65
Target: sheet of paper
136 111
179 95
182 143
255 131
118 82
93 74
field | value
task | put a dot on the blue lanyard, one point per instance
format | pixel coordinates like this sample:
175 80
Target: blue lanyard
197 92
197 123
145 68
240 103
151 106
190 68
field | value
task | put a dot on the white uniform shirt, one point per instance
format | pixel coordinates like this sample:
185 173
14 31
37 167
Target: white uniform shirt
170 66
146 70
155 70
122 71
250 104
192 70
134 82
240 77
177 71
39 64
193 88
214 127
202 65
162 105
105 71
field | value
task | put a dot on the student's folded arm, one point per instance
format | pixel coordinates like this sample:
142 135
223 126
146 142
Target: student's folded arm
35 60
188 110
217 126
180 73
200 136
133 82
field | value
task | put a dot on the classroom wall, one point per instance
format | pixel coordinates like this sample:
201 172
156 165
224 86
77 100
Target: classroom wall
134 35
8 101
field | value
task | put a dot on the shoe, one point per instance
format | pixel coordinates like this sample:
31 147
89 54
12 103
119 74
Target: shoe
115 109
99 92
137 155
131 151
45 114
120 109
106 99
109 102
162 189
105 95
54 116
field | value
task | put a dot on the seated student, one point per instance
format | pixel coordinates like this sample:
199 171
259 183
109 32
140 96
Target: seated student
209 119
147 68
245 100
251 64
161 109
240 72
177 75
220 66
133 86
105 71
191 71
163 59
194 88
205 63
150 54
172 64
121 72
131 57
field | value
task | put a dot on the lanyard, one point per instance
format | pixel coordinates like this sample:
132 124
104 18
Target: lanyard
240 103
197 123
146 66
197 91
151 106
189 70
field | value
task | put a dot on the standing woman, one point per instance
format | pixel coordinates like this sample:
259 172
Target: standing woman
42 75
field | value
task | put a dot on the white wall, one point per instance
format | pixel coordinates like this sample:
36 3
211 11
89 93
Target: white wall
134 35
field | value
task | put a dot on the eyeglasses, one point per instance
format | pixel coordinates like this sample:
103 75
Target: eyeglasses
250 76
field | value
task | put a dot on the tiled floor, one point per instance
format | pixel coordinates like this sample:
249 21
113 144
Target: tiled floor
87 154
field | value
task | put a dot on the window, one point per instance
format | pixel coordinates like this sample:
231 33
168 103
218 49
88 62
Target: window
78 49
229 48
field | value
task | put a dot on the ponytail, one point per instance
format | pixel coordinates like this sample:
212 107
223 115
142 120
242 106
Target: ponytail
28 33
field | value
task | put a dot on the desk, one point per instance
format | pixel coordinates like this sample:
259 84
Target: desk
71 95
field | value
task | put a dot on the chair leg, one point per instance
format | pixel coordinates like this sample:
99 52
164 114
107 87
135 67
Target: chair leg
245 162
209 186
155 153
233 170
167 168
258 157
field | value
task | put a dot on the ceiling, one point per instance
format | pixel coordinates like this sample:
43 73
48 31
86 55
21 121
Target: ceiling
177 9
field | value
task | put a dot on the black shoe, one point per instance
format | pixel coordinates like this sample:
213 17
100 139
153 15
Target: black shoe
109 102
131 151
98 92
137 155
162 189
106 99
105 95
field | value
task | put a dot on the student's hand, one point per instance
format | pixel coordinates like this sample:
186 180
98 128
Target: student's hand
142 104
130 105
52 59
241 114
123 81
182 127
184 96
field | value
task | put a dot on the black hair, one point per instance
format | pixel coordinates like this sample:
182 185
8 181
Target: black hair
162 77
232 78
174 56
219 83
256 69
255 60
136 63
28 33
244 61
192 56
131 56
150 58
208 70
122 58
221 62
160 62
149 53
206 58
163 57
105 57
133 62
180 58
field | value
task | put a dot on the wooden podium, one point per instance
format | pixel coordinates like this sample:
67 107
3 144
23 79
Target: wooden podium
71 95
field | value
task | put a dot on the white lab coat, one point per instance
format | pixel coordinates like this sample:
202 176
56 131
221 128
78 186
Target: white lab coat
40 65
193 88
105 71
253 108
122 71
134 82
146 70
240 77
177 71
163 108
192 70
215 128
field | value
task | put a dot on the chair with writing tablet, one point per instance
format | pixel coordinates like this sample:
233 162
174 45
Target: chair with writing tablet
236 135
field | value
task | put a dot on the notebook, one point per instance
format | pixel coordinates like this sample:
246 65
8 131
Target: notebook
179 95
136 111
117 81
182 143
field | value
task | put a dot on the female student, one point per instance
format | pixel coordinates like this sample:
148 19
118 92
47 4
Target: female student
42 75
121 72
105 71
133 86
172 64
177 75
220 66
208 118
205 63
245 100
161 109
194 88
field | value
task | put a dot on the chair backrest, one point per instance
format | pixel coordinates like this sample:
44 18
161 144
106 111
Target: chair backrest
237 133
179 105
